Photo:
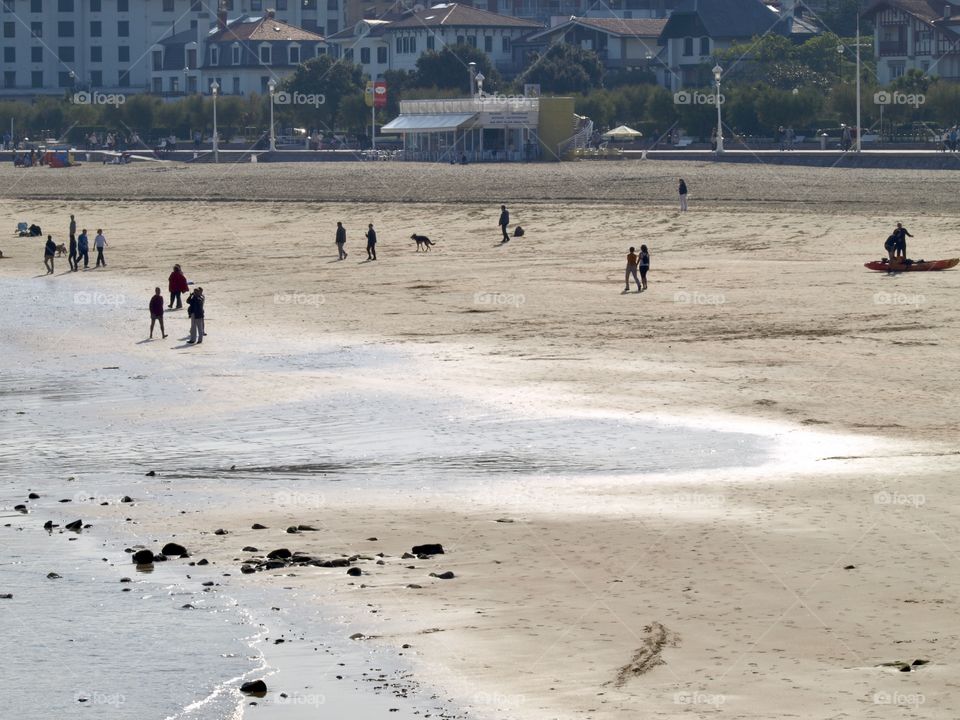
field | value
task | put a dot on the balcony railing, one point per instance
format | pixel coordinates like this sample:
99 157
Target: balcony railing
893 47
469 105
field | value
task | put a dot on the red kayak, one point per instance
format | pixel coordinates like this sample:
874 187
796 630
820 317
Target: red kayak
911 265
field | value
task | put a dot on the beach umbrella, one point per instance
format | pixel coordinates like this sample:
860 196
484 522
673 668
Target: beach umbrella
622 133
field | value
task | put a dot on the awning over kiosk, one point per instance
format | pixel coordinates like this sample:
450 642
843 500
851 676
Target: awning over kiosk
427 123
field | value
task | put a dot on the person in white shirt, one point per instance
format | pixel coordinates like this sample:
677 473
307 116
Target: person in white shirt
100 242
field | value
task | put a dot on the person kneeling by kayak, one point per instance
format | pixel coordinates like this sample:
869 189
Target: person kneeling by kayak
890 246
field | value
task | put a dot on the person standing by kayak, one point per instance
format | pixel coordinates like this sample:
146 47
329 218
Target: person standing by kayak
900 248
682 189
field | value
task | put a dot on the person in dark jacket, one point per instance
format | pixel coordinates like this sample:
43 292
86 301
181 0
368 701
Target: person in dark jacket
72 257
900 248
644 265
682 190
341 241
504 222
195 303
49 250
371 242
156 312
83 249
177 284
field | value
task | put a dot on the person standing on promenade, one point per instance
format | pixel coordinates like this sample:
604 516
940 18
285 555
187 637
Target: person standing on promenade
195 303
49 249
83 250
371 242
100 242
682 190
156 312
644 264
631 270
504 222
341 241
177 284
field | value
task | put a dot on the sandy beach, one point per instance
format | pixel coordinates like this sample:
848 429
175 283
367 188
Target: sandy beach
777 589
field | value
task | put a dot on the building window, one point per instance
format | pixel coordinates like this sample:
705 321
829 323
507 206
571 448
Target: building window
256 4
7 6
95 5
9 55
66 53
264 85
174 84
348 54
192 58
704 46
472 40
333 26
282 5
294 54
399 45
265 54
96 28
123 28
9 78
96 78
167 5
236 85
65 28
309 4
897 69
36 6
505 45
157 56
158 85
430 42
488 43
123 6
365 56
214 55
333 5
96 53
9 29
36 79
65 5
123 78
123 53
687 47
382 55
234 54
36 54
36 29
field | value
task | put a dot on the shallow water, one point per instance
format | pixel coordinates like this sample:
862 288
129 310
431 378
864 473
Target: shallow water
246 416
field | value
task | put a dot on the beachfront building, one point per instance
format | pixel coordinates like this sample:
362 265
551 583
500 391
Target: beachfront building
243 55
620 43
485 128
695 30
379 45
50 47
919 35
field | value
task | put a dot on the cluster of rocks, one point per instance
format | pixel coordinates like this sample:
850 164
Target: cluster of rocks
145 556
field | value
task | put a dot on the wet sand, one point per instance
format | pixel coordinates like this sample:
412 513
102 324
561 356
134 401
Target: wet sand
719 592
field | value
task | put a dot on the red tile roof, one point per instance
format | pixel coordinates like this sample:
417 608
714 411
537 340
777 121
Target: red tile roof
456 15
263 29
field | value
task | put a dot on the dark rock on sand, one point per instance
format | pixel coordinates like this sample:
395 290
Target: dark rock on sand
160 558
255 687
152 473
220 531
916 663
336 562
414 586
75 525
53 576
407 556
49 525
65 500
273 564
6 596
20 509
247 569
250 548
279 553
143 557
849 567
173 549
293 529
443 576
125 580
258 526
372 539
355 572
33 496
307 528
203 561
428 549
126 499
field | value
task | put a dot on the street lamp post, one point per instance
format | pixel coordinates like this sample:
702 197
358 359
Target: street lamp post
840 63
473 77
214 89
272 86
186 78
717 73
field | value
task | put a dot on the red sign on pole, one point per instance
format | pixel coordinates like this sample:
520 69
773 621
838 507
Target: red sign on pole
379 94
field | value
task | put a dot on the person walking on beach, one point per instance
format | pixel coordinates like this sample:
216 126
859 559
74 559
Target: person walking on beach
195 303
644 265
49 249
900 247
371 242
177 284
632 260
72 256
682 190
341 241
504 222
156 312
73 227
100 242
83 250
